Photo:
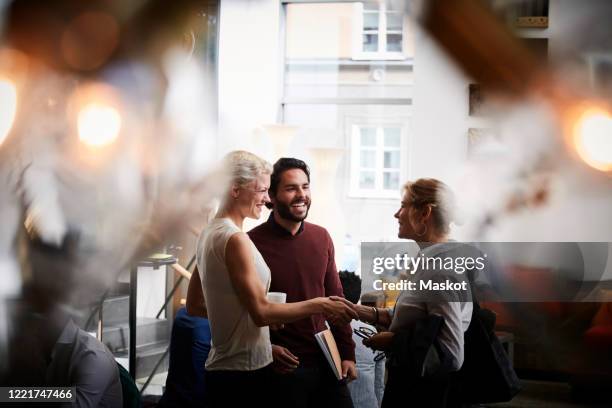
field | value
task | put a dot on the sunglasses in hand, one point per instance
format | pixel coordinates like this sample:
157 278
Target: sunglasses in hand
366 333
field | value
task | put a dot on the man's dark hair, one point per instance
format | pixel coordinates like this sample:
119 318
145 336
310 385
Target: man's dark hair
351 286
282 165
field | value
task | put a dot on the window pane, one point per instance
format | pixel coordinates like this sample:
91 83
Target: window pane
368 136
370 21
370 42
368 159
394 42
366 179
392 137
392 160
394 22
391 180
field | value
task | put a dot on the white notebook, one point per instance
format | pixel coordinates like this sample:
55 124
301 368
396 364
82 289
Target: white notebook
328 345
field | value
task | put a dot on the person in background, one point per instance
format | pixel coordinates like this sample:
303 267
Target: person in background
302 264
367 390
80 360
189 348
235 280
426 212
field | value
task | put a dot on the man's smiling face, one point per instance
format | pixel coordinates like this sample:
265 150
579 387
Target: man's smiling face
292 198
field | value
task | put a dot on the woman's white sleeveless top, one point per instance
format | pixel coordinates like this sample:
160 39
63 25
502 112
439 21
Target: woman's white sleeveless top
237 343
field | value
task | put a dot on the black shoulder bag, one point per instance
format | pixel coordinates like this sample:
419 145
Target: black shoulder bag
487 374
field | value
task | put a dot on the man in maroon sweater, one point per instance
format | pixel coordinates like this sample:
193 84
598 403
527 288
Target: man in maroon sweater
301 258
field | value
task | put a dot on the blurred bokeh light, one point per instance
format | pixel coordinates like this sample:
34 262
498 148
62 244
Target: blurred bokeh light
593 139
98 125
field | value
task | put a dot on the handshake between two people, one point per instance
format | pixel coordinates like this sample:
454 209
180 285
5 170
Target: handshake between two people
338 310
342 312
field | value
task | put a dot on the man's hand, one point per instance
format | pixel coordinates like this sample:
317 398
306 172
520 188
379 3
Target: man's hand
284 361
349 371
381 341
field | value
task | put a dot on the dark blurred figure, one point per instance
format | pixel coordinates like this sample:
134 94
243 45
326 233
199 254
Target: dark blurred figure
79 360
47 348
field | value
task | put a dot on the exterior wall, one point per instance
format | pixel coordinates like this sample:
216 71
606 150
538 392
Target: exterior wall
320 30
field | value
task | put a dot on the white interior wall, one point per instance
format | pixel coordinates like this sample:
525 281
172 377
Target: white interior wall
440 113
249 70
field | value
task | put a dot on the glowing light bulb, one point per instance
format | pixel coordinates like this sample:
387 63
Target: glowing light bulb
8 107
593 139
98 124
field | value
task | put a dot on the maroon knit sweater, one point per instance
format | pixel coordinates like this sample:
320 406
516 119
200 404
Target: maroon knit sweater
303 267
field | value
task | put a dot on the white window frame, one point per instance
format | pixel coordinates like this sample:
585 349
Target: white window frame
358 32
353 128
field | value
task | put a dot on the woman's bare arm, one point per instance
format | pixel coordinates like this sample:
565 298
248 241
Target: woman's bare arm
251 292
